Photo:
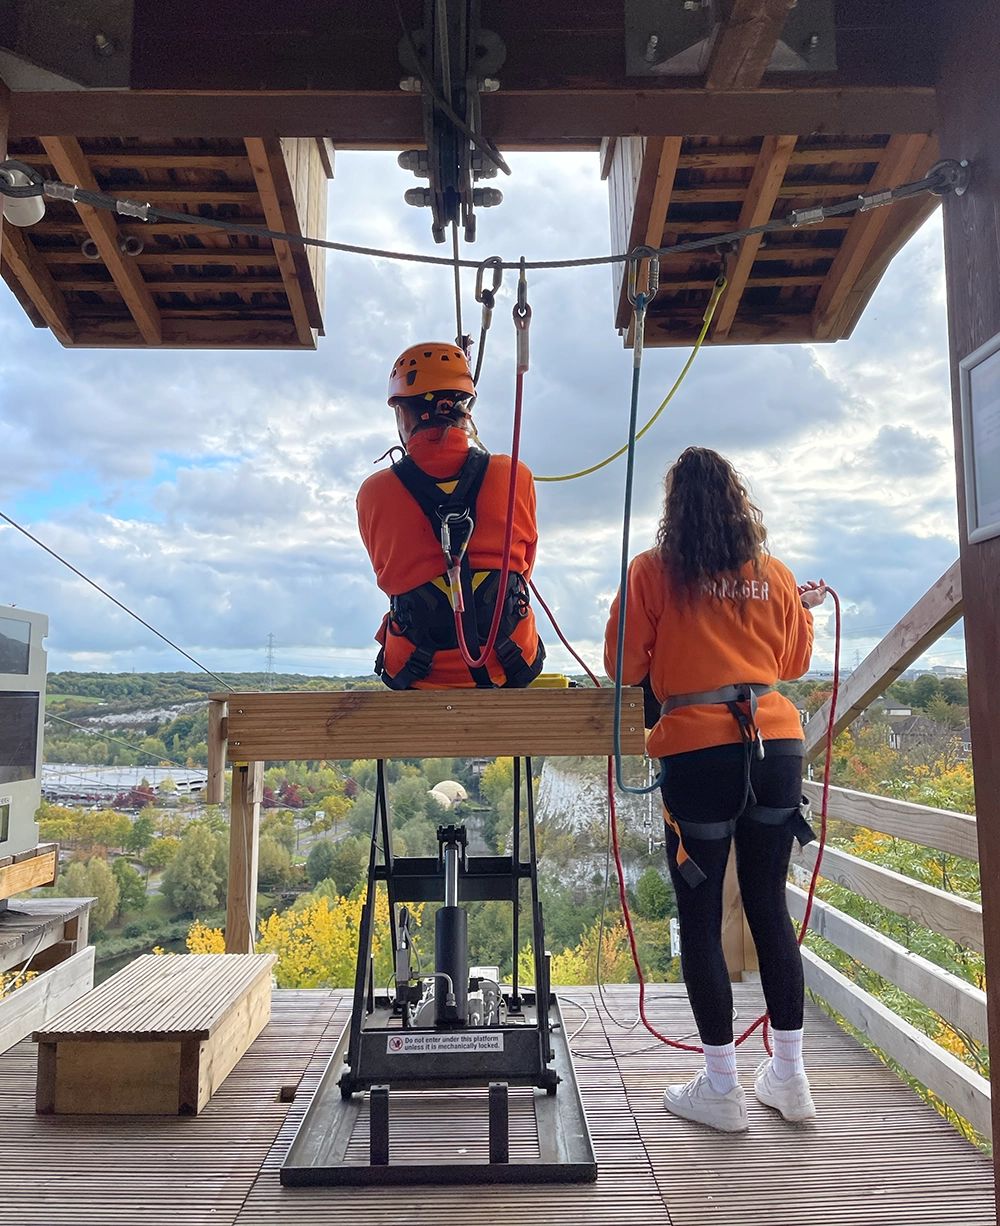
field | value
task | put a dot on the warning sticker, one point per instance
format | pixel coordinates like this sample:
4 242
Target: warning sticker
434 1044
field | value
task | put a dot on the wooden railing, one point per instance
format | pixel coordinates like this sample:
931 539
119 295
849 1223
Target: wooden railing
959 1003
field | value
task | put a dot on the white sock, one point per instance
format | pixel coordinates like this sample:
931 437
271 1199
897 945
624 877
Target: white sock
787 1059
720 1065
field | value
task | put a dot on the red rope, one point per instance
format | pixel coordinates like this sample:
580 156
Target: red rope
562 638
501 599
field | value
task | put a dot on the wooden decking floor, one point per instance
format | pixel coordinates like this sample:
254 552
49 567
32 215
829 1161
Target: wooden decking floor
876 1156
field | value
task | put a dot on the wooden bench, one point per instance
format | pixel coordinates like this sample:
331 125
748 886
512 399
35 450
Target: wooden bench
157 1038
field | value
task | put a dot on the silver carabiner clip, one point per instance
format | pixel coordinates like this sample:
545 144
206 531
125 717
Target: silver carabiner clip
652 276
488 296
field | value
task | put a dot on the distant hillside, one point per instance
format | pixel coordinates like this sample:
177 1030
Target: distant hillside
152 717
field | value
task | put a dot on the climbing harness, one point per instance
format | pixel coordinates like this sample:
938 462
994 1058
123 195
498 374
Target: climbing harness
713 302
428 616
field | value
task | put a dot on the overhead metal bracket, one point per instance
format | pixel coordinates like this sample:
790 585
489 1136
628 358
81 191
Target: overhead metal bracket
452 60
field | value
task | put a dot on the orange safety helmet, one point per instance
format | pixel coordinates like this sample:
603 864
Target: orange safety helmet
430 367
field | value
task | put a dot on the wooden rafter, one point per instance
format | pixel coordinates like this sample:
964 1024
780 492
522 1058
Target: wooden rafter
765 186
276 198
36 281
652 199
900 156
262 256
745 43
70 164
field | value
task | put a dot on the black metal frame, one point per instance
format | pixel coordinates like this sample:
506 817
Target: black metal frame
533 1050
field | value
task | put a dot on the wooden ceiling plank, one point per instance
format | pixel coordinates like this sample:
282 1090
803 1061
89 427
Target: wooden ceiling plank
269 171
36 281
187 256
745 42
901 155
764 189
71 166
168 285
727 193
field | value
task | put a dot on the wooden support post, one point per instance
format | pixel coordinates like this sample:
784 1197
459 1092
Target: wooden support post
745 43
244 829
733 946
968 91
215 788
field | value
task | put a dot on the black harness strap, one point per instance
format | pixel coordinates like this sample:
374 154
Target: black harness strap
778 817
430 605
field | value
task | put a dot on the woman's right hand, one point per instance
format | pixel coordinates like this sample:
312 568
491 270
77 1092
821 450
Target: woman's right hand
813 594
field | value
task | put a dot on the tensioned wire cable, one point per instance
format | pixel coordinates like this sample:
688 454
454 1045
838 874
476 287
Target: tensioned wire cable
114 600
713 302
942 178
117 741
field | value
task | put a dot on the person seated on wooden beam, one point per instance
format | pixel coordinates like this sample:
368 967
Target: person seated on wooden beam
435 523
712 623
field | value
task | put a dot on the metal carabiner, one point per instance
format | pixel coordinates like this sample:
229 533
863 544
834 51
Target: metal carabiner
488 297
522 320
652 275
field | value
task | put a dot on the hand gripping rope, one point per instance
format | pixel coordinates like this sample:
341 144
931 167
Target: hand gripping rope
761 1021
522 321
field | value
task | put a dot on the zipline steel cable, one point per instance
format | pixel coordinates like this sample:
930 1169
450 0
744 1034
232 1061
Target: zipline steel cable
945 176
113 599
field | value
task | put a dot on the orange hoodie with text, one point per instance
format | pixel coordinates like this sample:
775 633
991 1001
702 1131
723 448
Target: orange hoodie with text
688 648
405 552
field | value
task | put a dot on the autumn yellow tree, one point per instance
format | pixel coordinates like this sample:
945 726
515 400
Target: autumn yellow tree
317 944
204 940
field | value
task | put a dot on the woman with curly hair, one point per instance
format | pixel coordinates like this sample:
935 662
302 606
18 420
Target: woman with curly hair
713 623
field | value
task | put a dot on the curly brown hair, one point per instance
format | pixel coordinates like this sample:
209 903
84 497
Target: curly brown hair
710 529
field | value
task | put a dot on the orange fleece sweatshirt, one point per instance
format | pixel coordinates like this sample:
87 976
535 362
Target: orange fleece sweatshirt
686 649
405 552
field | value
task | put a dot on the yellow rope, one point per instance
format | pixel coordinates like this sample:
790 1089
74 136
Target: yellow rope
713 302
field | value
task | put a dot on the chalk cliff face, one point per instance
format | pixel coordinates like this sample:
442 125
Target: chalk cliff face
572 799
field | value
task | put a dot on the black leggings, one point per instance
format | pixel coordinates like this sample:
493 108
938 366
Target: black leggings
707 785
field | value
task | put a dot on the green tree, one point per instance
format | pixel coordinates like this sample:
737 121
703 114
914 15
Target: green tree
131 887
274 864
160 853
319 862
279 825
349 864
924 689
943 712
497 778
654 898
141 834
191 882
92 880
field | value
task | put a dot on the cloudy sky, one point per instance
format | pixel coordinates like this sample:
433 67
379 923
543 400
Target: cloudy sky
214 492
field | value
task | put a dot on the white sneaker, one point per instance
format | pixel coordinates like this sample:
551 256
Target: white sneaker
791 1097
701 1102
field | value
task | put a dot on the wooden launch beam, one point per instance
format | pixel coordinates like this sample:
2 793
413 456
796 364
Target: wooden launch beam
745 43
762 193
344 725
530 119
70 164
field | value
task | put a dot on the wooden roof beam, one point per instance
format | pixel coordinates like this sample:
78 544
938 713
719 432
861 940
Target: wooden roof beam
901 155
35 279
276 198
764 189
70 164
745 42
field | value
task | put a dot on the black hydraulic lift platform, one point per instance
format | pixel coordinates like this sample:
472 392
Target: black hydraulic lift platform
382 1053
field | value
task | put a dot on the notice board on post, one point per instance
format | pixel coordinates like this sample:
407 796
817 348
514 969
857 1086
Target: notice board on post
979 377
